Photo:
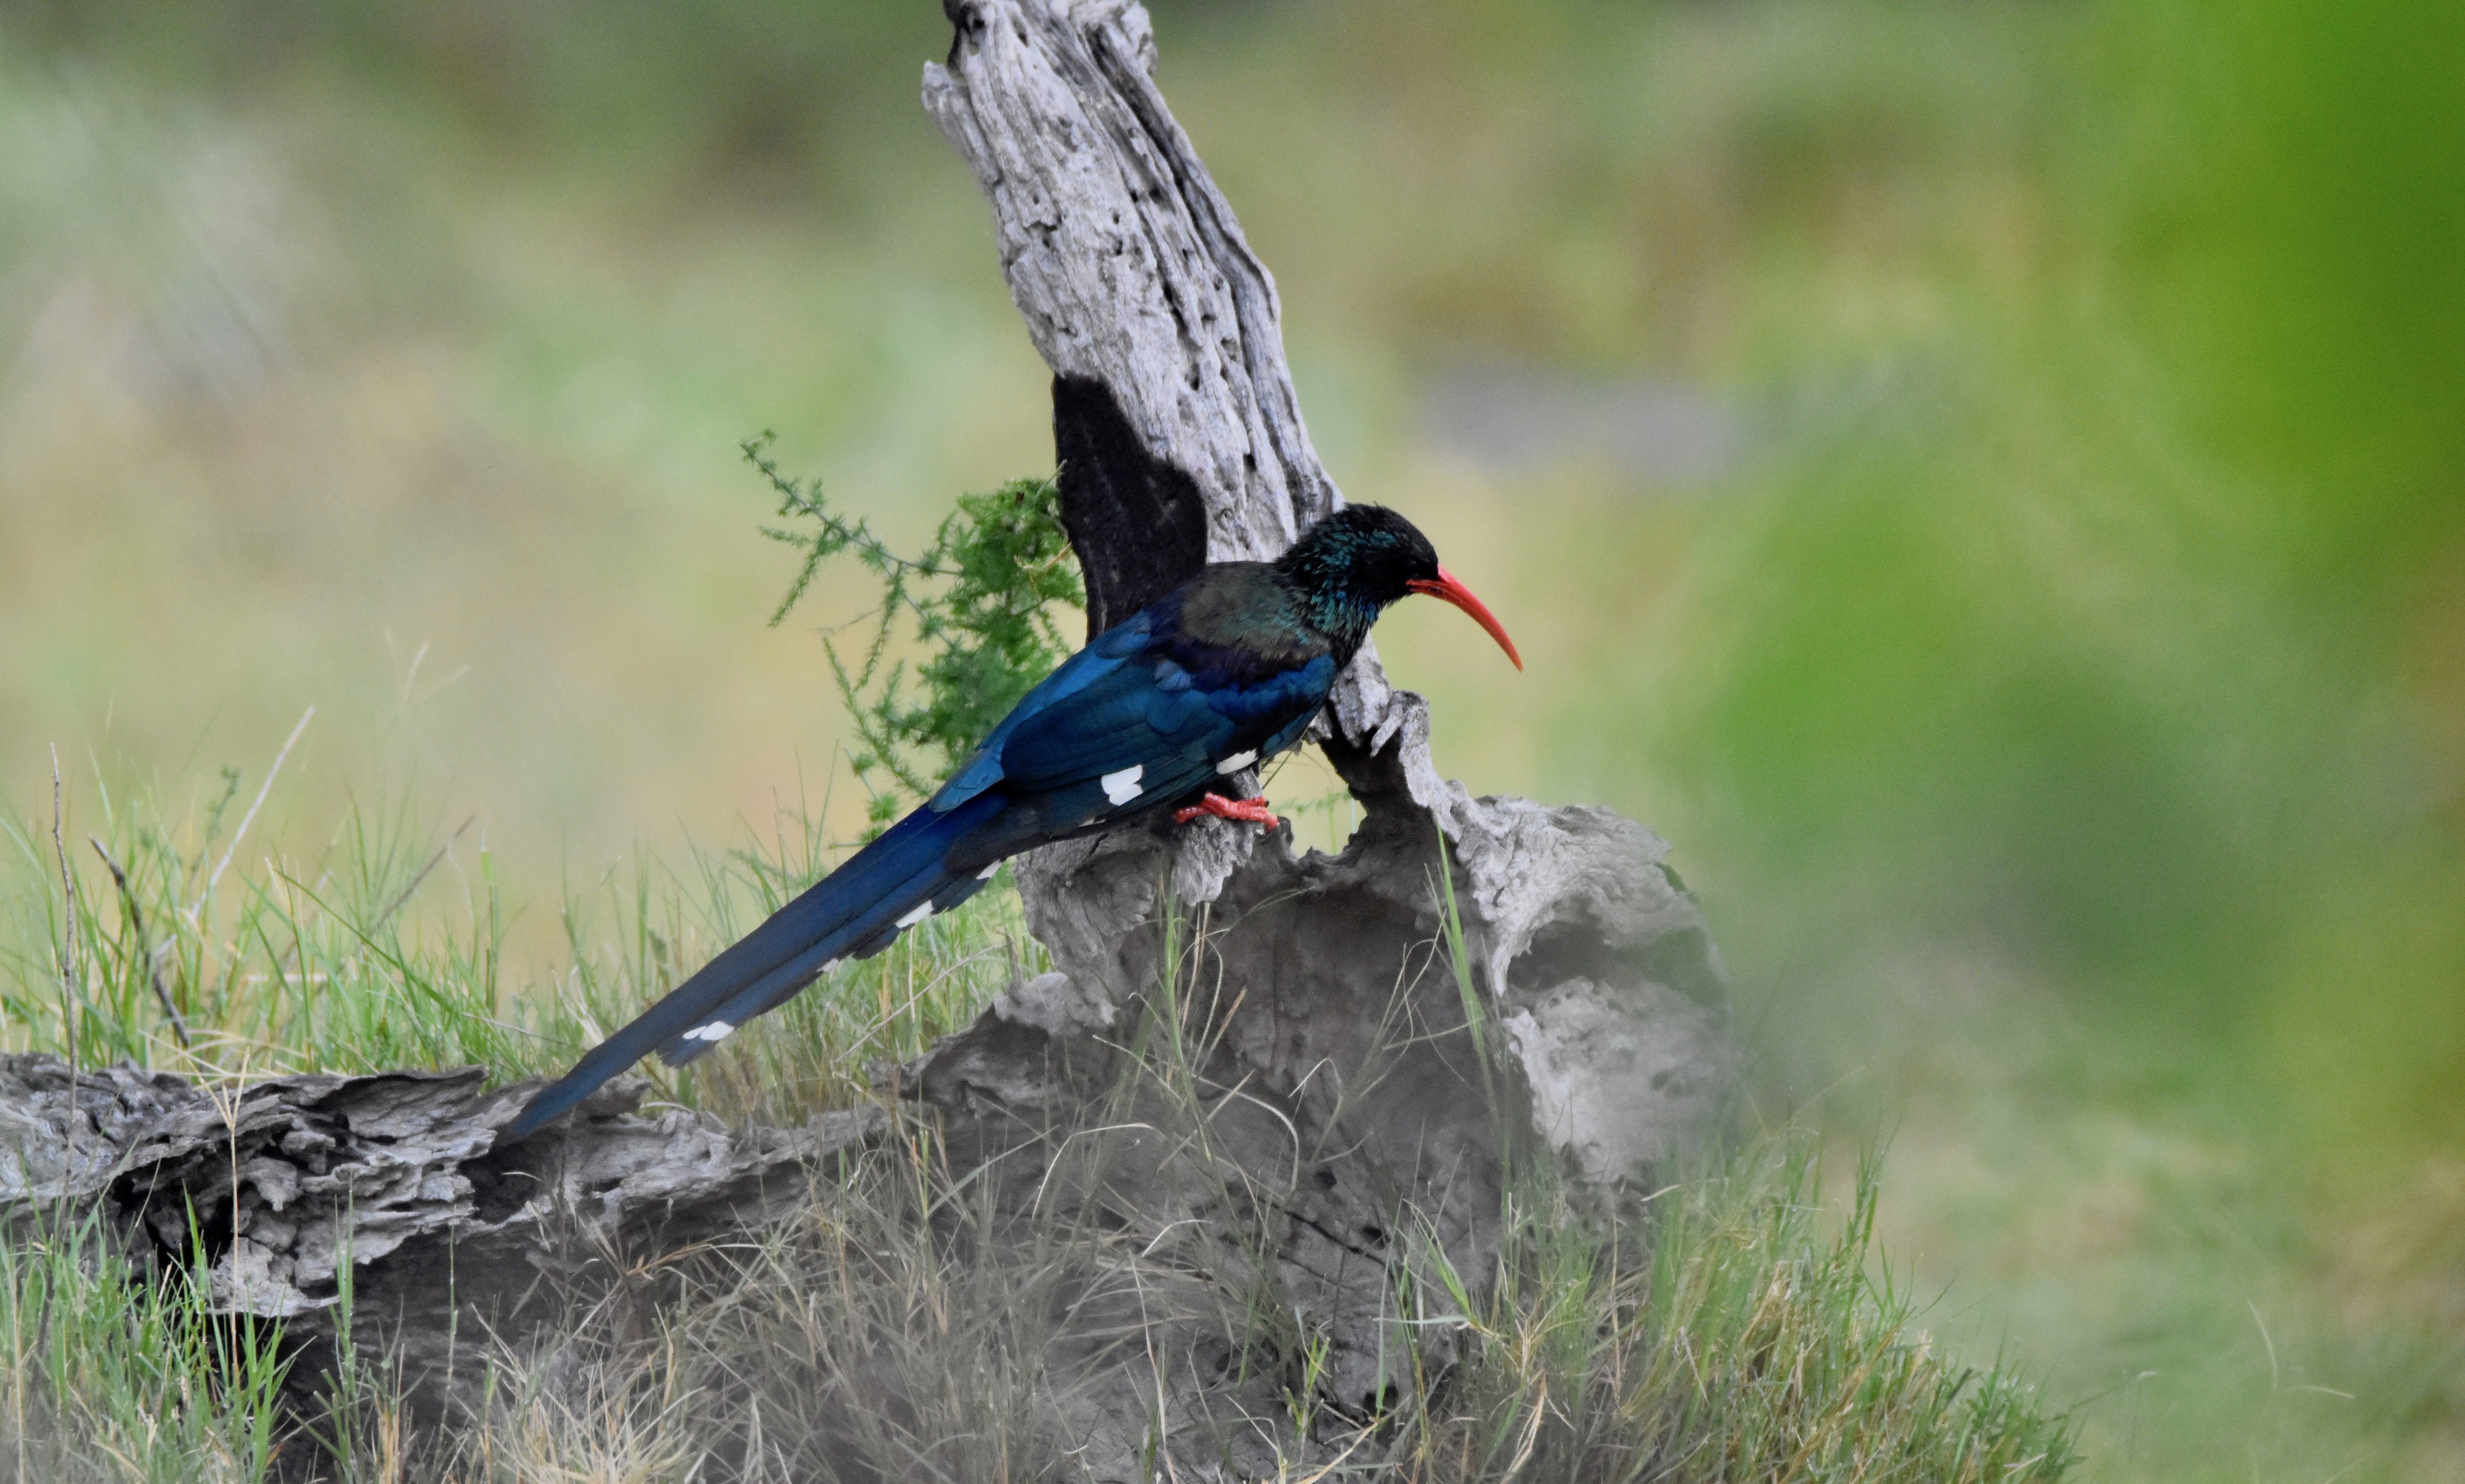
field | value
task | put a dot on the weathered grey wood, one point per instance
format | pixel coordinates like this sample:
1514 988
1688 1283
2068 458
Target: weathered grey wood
1125 258
1347 1103
1164 336
285 1181
1130 271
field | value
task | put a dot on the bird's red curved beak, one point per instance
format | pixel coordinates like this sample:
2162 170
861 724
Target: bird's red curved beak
1446 585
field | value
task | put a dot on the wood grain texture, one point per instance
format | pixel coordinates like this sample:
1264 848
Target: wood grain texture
399 1175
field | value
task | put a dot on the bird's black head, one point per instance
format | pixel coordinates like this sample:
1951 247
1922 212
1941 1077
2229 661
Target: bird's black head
1351 566
1362 556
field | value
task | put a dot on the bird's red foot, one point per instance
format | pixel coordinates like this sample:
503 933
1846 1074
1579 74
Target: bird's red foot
1254 810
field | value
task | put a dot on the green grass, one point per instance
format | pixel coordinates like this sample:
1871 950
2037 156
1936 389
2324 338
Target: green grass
108 1373
901 1326
385 948
1762 1336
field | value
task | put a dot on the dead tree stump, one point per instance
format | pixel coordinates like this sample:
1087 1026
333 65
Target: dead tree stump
1346 1063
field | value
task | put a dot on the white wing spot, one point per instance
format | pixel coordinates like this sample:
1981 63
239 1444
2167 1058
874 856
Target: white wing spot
1236 763
1123 786
924 909
987 874
716 1031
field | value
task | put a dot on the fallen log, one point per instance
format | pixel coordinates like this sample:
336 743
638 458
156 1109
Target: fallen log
269 1190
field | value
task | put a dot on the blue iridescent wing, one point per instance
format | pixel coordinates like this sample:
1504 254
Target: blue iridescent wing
1147 732
1104 658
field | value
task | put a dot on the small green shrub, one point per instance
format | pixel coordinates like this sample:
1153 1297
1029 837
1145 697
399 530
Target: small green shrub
978 601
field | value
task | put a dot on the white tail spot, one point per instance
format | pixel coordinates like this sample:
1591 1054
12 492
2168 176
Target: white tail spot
1236 763
922 910
1123 786
716 1031
987 874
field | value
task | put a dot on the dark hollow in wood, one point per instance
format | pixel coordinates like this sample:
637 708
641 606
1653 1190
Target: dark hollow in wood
1137 524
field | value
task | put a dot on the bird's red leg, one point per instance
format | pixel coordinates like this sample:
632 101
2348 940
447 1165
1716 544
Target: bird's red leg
1254 810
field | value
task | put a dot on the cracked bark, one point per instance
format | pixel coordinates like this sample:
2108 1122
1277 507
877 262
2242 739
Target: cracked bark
279 1184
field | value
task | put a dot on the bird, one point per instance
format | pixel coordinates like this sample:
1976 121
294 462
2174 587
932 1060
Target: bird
1205 683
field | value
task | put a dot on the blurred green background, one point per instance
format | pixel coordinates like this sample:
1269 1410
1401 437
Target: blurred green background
1983 479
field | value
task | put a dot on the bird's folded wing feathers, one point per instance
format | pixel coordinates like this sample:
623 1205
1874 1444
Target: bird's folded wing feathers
1104 658
1147 713
1131 704
1122 721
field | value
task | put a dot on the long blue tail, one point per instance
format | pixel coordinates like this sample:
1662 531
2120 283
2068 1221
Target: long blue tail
855 912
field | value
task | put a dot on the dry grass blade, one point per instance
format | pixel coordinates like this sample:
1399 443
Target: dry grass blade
411 887
145 948
215 876
72 972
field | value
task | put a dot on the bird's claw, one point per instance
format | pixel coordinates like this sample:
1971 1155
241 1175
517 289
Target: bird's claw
1253 811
